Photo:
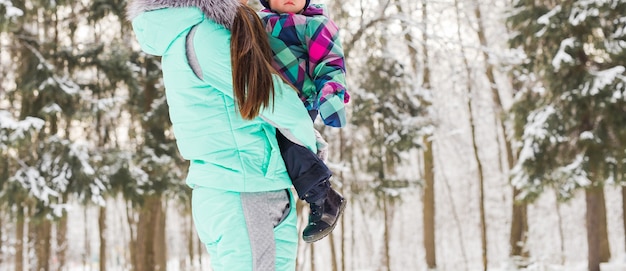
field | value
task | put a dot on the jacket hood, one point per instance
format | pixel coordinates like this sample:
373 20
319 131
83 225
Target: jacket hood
158 23
311 10
220 11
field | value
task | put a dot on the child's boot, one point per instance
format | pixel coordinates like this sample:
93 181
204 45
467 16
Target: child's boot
324 215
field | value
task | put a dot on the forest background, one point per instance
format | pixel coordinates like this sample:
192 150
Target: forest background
483 135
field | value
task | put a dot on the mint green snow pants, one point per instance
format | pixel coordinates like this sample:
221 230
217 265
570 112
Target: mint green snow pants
247 231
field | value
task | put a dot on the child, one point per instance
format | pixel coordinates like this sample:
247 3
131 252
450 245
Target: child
308 54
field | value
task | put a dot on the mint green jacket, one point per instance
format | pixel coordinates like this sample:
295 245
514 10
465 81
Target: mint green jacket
225 151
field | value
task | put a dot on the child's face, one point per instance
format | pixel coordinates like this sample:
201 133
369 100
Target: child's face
287 6
245 2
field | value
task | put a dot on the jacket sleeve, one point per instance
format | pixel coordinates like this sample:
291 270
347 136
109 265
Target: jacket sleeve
327 70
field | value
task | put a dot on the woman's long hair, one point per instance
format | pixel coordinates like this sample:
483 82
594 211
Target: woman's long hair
251 58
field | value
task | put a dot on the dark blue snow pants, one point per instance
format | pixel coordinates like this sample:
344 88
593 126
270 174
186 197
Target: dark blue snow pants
308 173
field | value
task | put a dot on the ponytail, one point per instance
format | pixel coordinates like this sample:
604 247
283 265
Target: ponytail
251 58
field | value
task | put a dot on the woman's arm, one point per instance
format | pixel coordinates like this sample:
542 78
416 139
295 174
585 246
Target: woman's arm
286 112
288 115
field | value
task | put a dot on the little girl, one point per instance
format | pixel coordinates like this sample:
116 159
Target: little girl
308 54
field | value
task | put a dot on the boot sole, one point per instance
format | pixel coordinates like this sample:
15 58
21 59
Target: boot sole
325 232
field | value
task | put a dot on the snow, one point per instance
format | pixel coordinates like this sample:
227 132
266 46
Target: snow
586 135
545 20
535 130
81 152
36 184
11 11
574 172
581 10
52 108
20 128
603 79
561 56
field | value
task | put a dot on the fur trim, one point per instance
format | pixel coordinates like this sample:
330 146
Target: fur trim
221 11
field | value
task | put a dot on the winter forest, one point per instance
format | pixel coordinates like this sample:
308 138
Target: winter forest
483 135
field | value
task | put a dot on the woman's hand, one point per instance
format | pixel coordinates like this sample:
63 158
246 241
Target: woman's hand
322 146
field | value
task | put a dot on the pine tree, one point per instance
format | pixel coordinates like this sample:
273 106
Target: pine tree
46 158
571 105
389 109
77 80
392 115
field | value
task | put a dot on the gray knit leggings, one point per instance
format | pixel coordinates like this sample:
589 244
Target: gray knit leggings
263 211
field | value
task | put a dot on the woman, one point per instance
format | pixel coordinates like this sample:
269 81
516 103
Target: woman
221 91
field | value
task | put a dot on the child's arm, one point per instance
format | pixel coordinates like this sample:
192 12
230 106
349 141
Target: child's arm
327 70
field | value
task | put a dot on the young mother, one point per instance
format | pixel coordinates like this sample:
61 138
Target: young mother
222 92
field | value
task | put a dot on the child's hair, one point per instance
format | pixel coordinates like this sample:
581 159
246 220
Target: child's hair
251 58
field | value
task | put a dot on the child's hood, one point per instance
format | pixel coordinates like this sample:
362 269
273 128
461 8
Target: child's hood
157 29
315 9
311 10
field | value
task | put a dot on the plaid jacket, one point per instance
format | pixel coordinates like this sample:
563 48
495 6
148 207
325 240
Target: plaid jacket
308 54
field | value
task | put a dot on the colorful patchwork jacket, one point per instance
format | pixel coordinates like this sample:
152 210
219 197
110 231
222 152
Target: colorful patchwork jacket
308 54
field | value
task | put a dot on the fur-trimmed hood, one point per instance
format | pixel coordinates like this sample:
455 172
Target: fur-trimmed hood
220 11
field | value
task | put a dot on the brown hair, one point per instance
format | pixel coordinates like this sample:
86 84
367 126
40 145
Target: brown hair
251 57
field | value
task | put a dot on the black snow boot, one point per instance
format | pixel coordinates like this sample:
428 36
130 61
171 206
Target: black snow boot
324 216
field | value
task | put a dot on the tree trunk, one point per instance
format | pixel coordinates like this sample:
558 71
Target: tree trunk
519 223
200 251
102 227
87 246
333 253
19 239
312 257
4 175
597 235
143 243
481 181
61 241
42 243
481 198
457 220
342 150
147 239
624 212
160 238
353 260
519 229
132 226
429 206
561 231
428 210
31 244
352 202
191 237
2 224
387 256
429 161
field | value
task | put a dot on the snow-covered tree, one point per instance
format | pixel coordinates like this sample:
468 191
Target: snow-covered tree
389 109
79 114
47 159
571 104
